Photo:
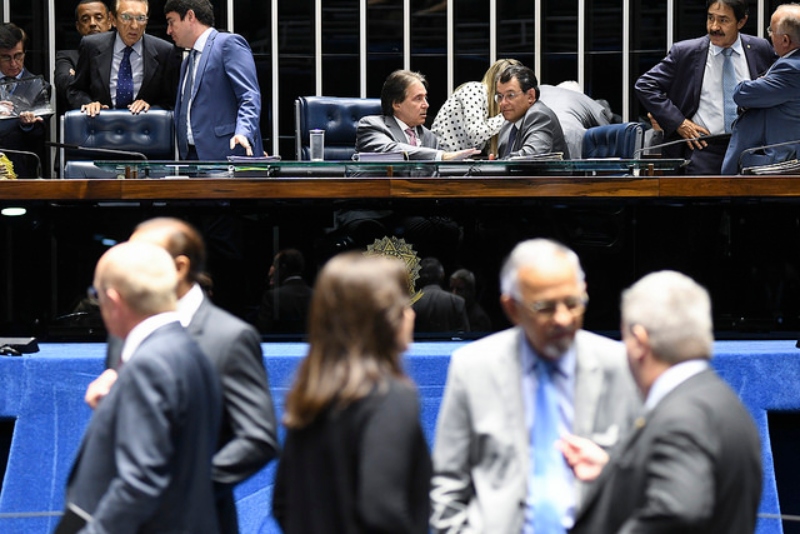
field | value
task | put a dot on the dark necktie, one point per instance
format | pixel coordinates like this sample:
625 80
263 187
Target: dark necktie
412 136
8 86
512 137
125 80
186 96
728 86
548 463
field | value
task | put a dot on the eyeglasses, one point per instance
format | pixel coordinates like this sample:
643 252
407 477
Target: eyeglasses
547 309
508 96
19 56
92 295
771 32
128 18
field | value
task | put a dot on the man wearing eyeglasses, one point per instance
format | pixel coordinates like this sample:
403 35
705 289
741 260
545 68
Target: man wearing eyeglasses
532 128
689 93
126 69
25 130
772 102
511 395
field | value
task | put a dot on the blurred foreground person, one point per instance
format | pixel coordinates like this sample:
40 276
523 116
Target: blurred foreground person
355 459
693 462
145 461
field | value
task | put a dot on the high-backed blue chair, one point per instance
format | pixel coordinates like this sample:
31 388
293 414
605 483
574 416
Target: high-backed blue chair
148 135
613 141
338 116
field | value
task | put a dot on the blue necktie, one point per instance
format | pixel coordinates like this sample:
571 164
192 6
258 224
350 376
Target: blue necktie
728 86
186 96
125 80
512 137
548 481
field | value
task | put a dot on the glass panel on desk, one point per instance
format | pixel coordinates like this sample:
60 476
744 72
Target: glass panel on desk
412 169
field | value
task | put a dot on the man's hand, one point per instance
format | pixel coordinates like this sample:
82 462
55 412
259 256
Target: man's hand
100 387
584 456
138 106
28 118
688 130
461 154
93 108
239 139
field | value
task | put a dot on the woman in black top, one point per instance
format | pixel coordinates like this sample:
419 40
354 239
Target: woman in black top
355 459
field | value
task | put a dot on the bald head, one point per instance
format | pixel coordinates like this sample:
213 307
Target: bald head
134 281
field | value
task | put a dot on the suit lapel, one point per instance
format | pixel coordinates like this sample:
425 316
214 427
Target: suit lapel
699 61
105 57
195 327
397 134
201 66
508 378
149 64
588 386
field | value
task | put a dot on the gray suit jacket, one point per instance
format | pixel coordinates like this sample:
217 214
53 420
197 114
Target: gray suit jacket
480 457
539 133
692 466
381 133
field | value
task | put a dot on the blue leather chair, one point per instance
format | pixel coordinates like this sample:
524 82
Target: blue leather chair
613 141
148 135
338 116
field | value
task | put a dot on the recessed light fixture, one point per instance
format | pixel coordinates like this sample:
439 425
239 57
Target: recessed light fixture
13 212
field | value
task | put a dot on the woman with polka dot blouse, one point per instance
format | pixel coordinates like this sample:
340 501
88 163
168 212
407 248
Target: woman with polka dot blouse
470 118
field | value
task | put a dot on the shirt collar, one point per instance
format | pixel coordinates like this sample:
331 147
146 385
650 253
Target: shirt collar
736 46
404 126
189 304
119 45
200 42
672 378
140 332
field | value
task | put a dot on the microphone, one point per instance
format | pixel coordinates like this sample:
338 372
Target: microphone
26 153
112 151
711 139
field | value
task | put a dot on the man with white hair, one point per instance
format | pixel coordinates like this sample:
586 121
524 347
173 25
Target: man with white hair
693 462
145 460
510 395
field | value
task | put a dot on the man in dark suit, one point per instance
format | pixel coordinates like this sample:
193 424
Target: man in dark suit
145 461
772 102
532 128
284 306
248 432
693 461
685 91
437 310
25 132
218 116
103 58
91 17
401 128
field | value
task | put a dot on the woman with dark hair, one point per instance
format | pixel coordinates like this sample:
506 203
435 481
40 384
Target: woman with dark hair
355 459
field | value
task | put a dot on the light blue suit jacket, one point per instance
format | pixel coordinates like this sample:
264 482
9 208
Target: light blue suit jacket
772 115
227 99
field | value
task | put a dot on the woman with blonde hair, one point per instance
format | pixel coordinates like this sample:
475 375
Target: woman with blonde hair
355 458
471 117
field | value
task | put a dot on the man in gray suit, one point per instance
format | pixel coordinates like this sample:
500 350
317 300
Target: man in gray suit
531 127
248 432
401 128
484 477
693 463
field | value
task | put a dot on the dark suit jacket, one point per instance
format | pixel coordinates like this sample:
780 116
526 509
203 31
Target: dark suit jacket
539 133
671 89
227 99
440 311
248 431
66 61
14 137
381 133
284 309
145 461
93 72
693 466
772 115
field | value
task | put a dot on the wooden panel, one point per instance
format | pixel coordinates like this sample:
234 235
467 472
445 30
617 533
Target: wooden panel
529 187
730 186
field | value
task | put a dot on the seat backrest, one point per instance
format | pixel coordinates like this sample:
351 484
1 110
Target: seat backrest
151 134
338 116
613 141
